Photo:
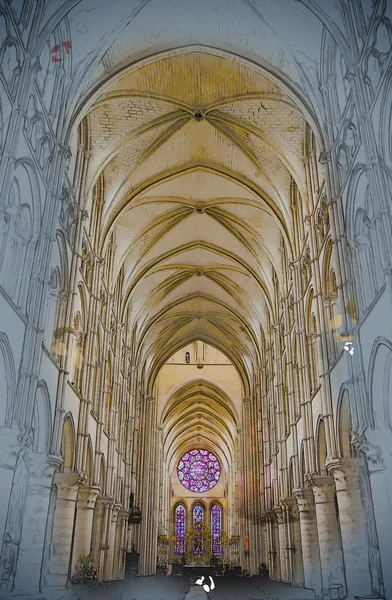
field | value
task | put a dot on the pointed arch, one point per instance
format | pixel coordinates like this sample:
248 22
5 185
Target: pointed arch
198 521
42 419
292 477
379 377
68 442
179 528
303 466
216 529
7 380
102 474
321 447
89 461
344 425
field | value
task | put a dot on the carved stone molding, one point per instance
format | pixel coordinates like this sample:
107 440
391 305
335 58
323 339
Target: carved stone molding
346 473
323 488
371 452
279 513
304 498
124 514
290 505
104 501
268 515
68 484
87 496
116 512
41 469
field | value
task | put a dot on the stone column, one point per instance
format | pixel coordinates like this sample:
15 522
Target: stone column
332 571
376 451
67 489
282 544
87 496
100 534
309 539
273 546
121 547
97 526
352 527
31 547
294 543
112 530
10 447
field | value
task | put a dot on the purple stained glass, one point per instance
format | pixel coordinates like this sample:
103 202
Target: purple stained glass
198 514
199 470
198 519
180 530
216 529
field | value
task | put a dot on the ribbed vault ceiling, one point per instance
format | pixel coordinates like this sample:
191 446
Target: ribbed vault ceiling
196 154
199 413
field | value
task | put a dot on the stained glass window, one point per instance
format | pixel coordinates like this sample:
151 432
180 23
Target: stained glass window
198 514
199 470
216 529
180 529
198 520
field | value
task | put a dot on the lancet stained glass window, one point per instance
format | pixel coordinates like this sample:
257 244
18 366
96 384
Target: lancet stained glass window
199 470
198 520
198 514
180 529
216 530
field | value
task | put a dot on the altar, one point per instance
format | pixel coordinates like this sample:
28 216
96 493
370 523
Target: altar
198 570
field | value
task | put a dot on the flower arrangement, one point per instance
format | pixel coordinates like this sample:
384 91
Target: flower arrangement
234 543
234 540
224 540
163 540
88 571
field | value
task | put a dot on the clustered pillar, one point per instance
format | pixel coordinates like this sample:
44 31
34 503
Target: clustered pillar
86 499
352 520
309 539
67 490
332 571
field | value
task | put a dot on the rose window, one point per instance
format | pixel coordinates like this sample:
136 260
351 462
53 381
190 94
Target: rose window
199 470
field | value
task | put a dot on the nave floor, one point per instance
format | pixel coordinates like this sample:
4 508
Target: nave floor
176 588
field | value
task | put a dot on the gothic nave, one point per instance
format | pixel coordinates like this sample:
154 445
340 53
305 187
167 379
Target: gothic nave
196 295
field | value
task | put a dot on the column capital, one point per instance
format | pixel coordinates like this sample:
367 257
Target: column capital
371 452
124 514
266 515
279 513
346 473
325 156
116 512
291 506
11 445
304 498
41 469
246 400
87 496
323 488
68 484
104 500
